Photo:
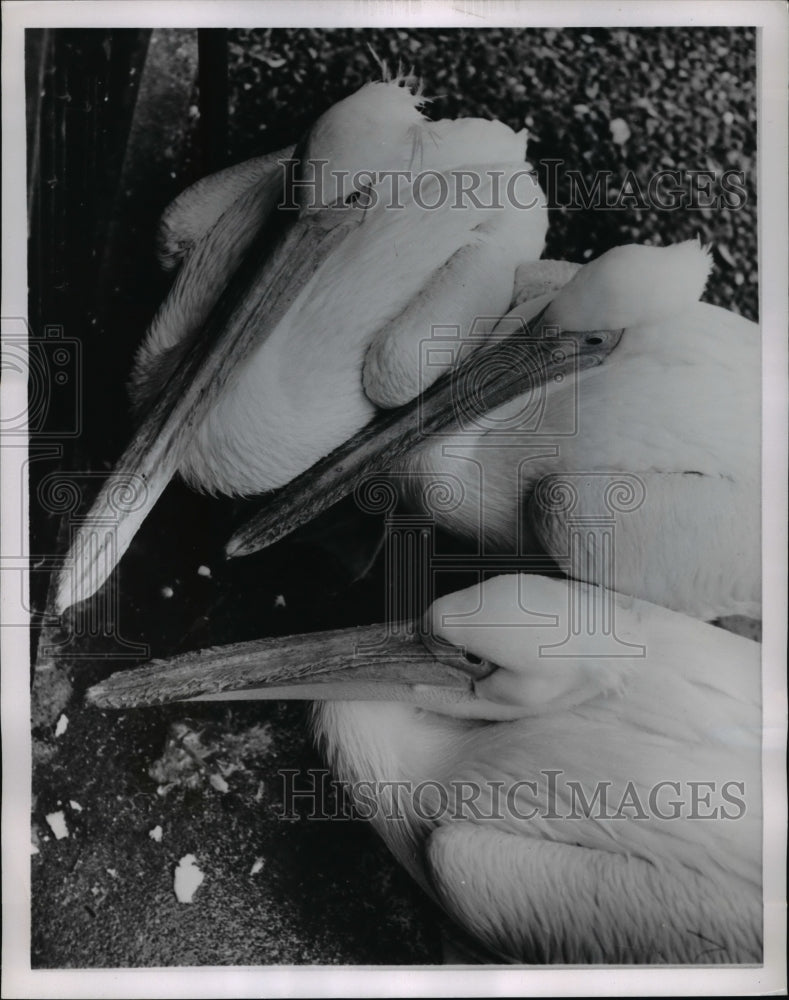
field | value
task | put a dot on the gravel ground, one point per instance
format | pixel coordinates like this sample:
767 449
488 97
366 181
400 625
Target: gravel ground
631 102
621 101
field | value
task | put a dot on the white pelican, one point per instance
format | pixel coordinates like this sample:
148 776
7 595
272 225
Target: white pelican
572 808
675 406
280 307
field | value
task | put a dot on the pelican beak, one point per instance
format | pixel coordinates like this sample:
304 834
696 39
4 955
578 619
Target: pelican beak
517 359
277 265
371 662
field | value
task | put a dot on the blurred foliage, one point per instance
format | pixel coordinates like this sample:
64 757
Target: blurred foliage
631 102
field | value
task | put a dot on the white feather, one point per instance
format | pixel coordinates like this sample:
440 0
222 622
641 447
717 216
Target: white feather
632 285
301 394
596 889
677 404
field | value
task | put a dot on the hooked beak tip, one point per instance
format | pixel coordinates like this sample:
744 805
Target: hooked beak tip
234 547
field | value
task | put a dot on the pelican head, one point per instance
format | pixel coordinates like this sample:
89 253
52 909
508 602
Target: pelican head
476 654
633 286
380 130
377 128
496 651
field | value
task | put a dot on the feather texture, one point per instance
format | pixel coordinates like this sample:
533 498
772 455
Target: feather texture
301 393
677 405
527 866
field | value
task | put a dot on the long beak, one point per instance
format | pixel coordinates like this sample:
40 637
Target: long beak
369 662
515 362
249 308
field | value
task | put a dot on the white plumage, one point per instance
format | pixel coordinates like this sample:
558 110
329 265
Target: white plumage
677 404
549 888
373 298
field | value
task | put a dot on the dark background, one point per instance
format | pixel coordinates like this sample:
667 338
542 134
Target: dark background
120 121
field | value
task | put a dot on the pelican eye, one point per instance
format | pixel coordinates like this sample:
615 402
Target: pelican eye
476 665
455 656
594 339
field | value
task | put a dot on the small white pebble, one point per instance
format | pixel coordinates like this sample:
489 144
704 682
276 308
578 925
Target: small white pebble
33 849
156 834
188 879
620 131
219 783
57 823
256 867
62 725
279 601
113 872
203 571
167 592
75 806
728 117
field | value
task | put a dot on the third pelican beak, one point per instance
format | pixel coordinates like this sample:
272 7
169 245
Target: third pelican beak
353 663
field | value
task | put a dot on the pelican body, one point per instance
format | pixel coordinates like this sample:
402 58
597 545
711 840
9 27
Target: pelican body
675 410
290 284
312 382
564 803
